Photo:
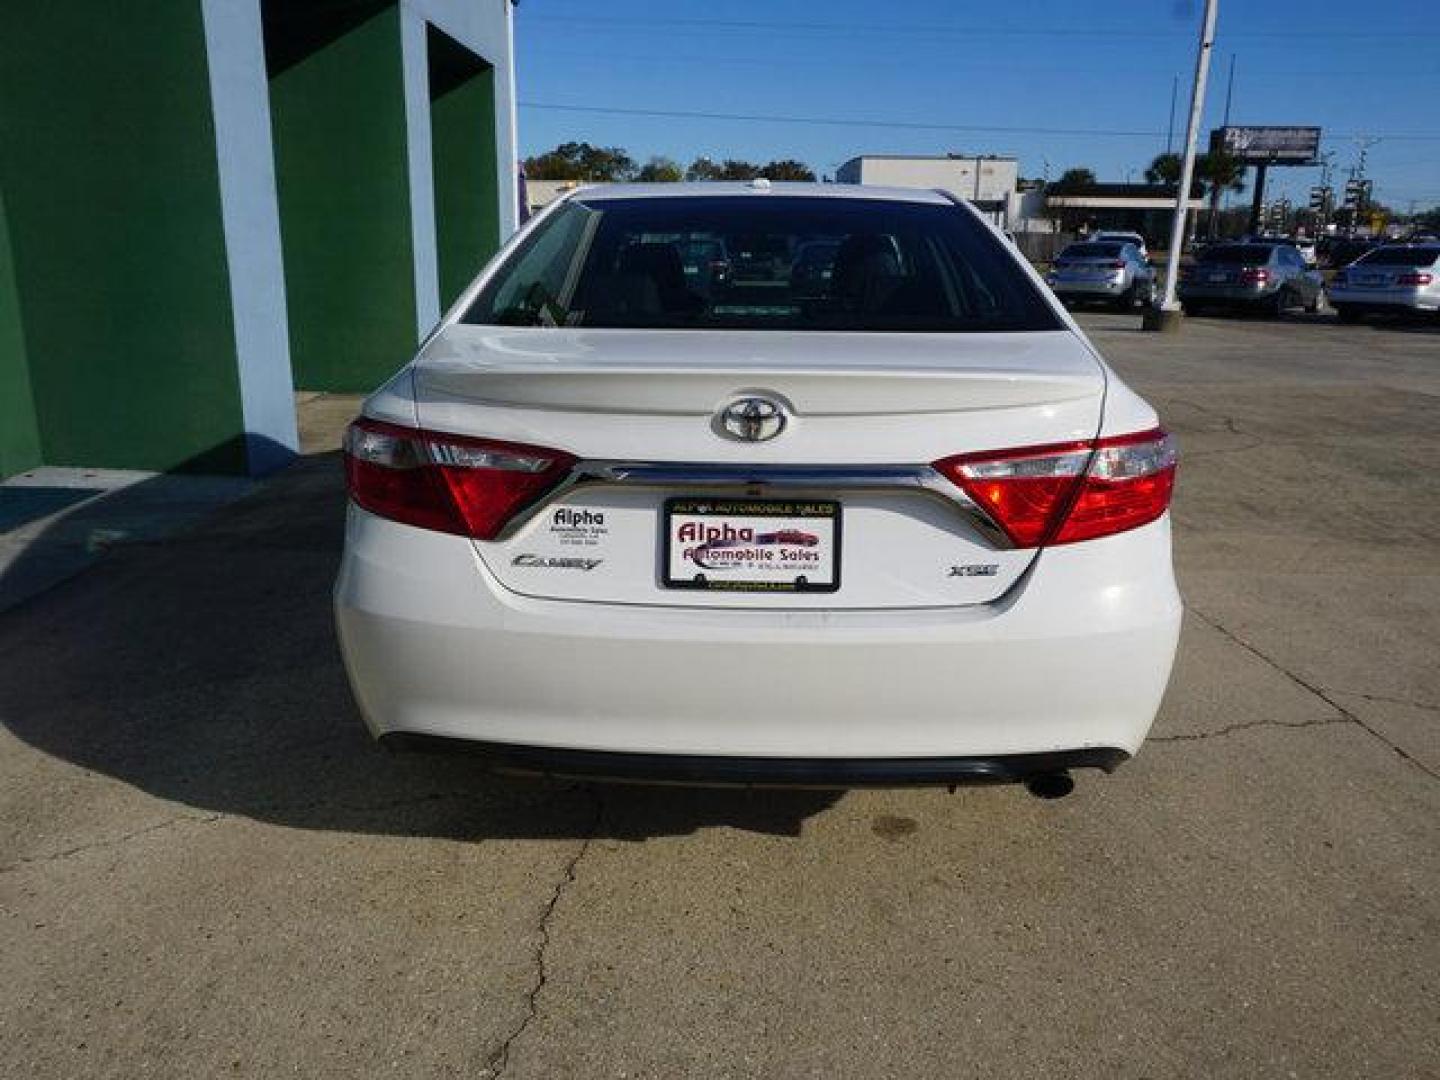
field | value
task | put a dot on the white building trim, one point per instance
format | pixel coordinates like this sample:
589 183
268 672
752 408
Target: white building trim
485 27
414 55
250 215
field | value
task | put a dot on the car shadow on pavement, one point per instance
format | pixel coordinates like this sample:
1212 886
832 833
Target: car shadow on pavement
203 669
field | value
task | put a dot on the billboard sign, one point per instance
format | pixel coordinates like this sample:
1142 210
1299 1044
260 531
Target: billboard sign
1268 145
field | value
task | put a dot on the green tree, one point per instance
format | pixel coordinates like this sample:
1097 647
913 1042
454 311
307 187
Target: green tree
582 162
1076 177
734 169
660 170
788 169
1165 169
1426 220
703 168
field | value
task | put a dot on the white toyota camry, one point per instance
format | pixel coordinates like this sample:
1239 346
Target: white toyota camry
805 484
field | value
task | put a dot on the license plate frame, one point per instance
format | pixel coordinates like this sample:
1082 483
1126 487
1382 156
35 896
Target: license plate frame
824 515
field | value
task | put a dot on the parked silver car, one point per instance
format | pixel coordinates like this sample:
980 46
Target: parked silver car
1261 277
1111 271
1396 279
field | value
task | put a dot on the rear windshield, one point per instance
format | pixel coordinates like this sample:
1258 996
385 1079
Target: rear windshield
1401 256
1091 251
763 263
1236 254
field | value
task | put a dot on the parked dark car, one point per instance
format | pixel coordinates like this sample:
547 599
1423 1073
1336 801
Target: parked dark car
1261 277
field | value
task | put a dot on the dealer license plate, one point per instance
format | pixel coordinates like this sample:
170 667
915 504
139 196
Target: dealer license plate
752 545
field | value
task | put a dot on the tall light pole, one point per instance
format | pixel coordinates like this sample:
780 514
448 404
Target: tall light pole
1167 317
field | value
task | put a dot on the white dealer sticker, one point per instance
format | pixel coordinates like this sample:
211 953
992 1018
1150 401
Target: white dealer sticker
578 527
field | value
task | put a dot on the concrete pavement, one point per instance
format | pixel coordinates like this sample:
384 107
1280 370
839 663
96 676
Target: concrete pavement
206 869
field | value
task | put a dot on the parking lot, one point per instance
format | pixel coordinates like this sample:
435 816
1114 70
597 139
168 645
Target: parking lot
207 869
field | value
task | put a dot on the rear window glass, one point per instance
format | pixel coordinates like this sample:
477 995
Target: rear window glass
763 263
1401 256
1235 254
1091 251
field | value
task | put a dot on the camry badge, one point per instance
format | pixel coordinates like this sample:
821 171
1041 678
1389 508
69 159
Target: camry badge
752 419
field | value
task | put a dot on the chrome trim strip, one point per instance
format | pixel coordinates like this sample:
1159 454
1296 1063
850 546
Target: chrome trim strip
923 479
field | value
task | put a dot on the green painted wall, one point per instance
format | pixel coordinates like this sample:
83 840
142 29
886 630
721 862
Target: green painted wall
338 118
19 434
107 161
467 195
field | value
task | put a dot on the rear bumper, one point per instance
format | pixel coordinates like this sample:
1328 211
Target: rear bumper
746 771
1090 288
1385 300
1226 294
1074 658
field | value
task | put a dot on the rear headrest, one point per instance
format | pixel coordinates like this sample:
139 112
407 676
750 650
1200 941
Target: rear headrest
658 262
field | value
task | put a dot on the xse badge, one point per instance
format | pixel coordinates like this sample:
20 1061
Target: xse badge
988 569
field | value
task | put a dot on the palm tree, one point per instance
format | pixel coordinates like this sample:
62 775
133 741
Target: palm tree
1219 173
1165 169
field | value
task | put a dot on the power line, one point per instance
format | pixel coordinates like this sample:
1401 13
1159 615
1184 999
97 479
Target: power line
845 121
690 59
930 29
834 121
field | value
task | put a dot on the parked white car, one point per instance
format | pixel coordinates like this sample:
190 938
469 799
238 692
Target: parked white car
905 529
1396 279
1111 271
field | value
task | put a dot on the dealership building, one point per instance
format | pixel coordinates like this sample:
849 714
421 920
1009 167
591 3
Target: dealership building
207 204
989 182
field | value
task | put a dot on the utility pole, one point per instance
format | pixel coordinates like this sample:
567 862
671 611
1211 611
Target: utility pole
1358 181
1170 131
1229 92
1257 202
1167 316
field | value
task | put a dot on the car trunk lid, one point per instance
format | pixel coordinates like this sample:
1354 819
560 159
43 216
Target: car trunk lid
845 481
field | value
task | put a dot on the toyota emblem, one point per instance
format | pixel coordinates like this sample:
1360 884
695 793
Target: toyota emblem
752 419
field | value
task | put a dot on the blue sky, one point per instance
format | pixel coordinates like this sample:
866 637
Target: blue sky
1096 76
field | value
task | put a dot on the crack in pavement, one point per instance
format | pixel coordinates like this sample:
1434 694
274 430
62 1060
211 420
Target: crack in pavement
1247 726
500 1059
1426 705
1317 691
116 841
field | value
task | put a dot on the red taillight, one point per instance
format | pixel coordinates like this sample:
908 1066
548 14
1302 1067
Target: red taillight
448 483
1414 279
1069 492
1252 276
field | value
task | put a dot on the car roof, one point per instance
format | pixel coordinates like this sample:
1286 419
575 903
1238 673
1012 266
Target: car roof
602 192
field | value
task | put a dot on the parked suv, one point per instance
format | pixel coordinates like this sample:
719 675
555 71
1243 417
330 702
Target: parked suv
1112 271
1261 277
